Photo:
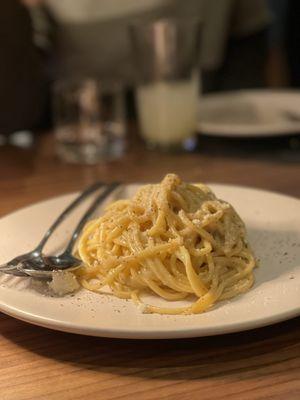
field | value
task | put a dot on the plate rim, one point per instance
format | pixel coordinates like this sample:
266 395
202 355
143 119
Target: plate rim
57 325
210 129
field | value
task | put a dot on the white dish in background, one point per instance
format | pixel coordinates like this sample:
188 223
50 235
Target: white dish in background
250 113
273 223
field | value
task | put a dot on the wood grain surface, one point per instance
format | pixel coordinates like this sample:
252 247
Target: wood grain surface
37 363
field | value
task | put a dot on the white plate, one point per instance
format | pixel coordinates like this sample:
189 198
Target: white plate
273 223
250 113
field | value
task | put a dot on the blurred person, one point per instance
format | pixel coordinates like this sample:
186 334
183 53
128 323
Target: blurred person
90 38
93 37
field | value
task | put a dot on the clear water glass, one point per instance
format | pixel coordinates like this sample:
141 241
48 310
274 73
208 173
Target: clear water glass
89 120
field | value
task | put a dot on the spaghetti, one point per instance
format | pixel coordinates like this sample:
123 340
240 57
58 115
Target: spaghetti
173 239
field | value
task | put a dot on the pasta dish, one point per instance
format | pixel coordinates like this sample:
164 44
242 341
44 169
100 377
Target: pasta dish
175 240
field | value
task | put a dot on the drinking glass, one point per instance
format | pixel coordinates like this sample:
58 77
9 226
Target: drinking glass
89 120
166 54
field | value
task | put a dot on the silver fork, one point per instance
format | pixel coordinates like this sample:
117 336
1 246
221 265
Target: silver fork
35 264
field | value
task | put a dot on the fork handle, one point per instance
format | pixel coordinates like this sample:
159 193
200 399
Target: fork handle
91 189
99 199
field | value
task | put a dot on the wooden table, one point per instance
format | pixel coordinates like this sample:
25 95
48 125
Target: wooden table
36 363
